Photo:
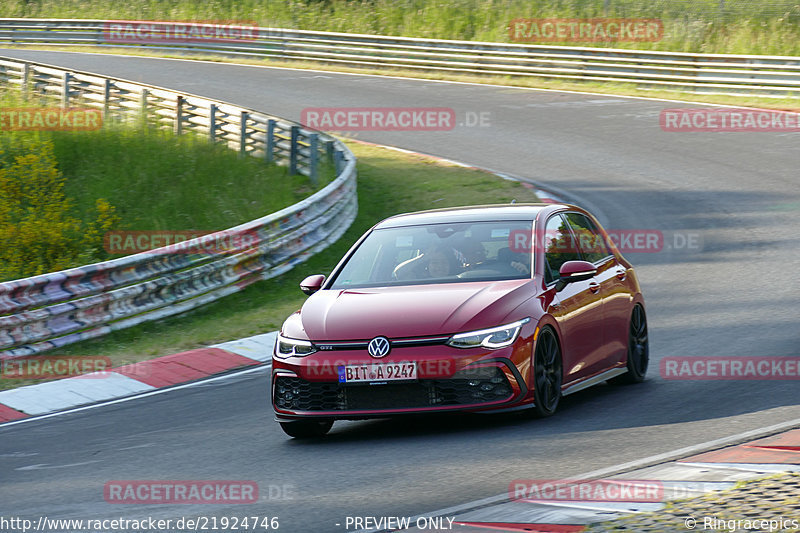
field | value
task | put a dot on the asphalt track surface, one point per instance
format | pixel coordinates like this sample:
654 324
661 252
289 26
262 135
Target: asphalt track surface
735 295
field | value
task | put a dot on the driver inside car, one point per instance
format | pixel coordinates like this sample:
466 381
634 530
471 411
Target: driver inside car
519 261
435 262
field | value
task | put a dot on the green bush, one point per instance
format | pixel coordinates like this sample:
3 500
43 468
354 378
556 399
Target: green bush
38 230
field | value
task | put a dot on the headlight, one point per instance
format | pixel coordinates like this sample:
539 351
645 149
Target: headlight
492 338
287 347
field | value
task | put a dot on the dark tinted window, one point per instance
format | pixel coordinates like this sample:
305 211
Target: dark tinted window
559 247
590 240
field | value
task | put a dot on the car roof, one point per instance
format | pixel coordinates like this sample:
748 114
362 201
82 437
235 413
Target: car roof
474 213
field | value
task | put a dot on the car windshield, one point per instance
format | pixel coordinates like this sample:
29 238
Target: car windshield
439 253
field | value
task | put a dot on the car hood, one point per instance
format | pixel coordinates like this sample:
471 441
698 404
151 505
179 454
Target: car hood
411 311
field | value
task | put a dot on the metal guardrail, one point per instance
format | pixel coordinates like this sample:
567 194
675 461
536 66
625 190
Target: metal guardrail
708 73
55 309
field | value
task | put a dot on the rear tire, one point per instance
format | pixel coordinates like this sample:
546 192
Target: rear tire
307 429
638 349
546 374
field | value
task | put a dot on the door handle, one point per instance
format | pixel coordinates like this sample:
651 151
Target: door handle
622 274
594 287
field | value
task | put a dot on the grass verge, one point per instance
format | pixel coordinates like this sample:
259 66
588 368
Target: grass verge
159 181
390 182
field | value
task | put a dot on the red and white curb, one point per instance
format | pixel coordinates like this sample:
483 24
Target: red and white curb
687 477
134 379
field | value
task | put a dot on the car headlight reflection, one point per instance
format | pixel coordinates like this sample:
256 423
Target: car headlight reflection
287 347
492 338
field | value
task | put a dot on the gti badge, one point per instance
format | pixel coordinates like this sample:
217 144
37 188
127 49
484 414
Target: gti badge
378 347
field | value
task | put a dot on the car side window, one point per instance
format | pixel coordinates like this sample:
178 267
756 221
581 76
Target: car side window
559 247
590 240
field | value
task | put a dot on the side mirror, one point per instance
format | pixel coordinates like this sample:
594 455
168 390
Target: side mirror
573 271
312 284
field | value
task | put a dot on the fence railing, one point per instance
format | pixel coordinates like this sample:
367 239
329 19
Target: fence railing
56 309
707 73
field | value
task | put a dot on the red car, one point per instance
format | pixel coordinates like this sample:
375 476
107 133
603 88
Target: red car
486 308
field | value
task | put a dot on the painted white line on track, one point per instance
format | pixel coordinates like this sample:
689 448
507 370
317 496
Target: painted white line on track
212 379
604 507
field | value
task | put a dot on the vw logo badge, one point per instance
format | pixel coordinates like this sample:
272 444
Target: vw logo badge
378 347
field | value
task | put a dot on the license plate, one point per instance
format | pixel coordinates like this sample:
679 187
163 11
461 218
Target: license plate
377 372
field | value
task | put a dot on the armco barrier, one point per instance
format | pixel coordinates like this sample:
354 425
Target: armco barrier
706 73
56 309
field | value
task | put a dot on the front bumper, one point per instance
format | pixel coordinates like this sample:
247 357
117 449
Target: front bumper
483 385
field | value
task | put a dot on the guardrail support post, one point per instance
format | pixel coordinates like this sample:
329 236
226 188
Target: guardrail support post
269 142
329 150
212 123
338 161
179 115
65 90
294 148
143 106
106 98
313 158
245 116
26 80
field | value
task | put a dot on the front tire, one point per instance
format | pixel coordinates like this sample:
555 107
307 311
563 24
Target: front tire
547 374
307 429
638 349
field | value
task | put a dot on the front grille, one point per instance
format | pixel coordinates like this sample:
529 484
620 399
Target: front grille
475 386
